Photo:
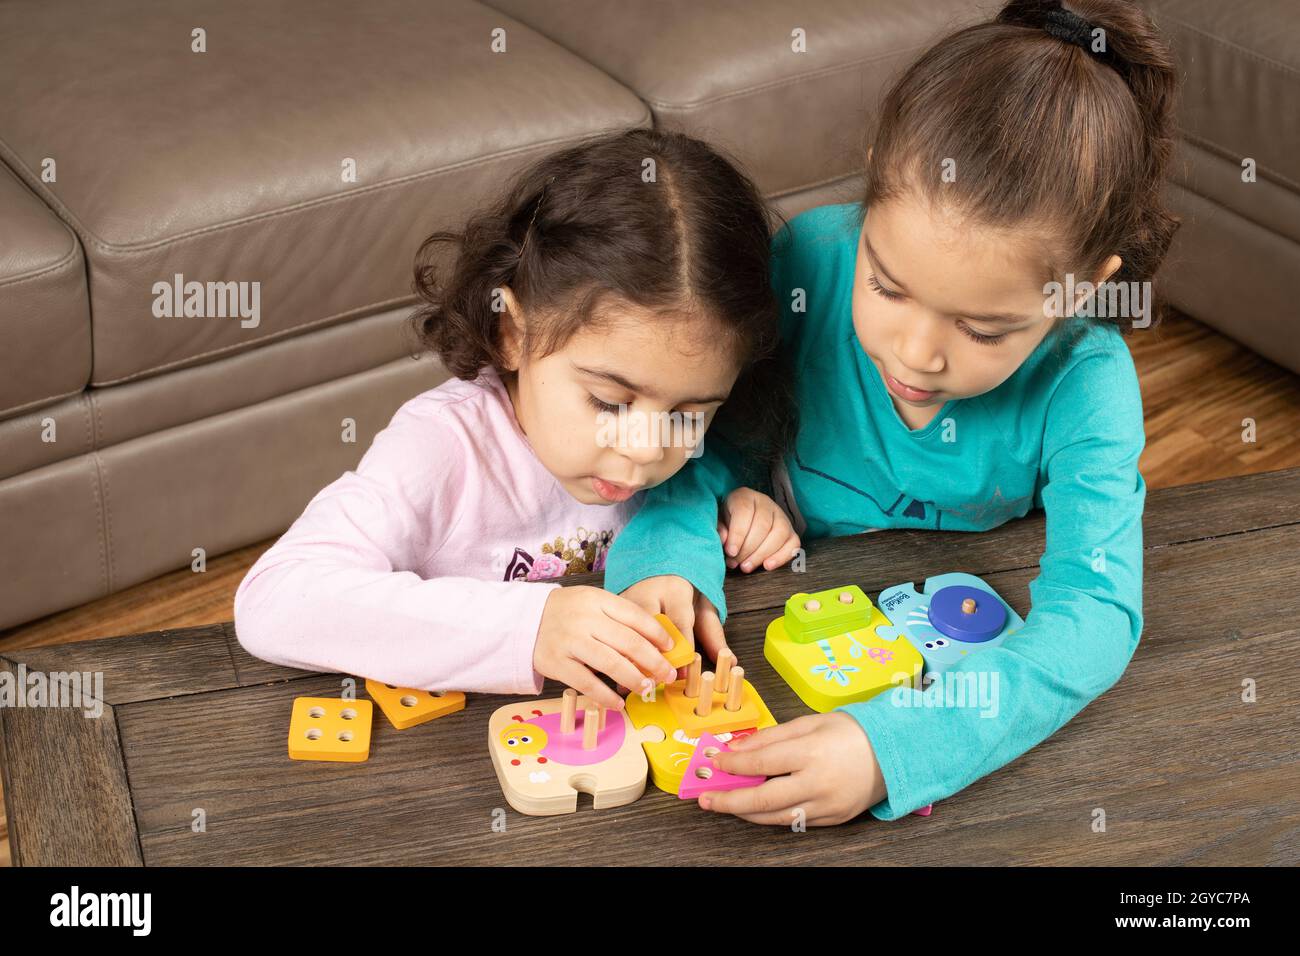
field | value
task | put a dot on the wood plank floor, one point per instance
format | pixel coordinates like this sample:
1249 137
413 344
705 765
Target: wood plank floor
1197 387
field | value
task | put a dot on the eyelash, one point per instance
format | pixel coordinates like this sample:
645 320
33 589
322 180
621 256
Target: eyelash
966 330
600 406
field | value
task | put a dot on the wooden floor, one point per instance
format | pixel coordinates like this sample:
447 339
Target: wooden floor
1197 386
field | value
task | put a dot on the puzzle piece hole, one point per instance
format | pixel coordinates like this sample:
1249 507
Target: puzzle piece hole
704 773
345 735
711 752
348 714
314 733
316 712
409 701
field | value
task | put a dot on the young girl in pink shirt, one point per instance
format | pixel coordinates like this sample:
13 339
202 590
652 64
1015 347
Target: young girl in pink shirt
595 320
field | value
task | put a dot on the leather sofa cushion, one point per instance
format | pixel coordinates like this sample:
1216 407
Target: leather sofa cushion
228 165
726 71
44 318
1241 64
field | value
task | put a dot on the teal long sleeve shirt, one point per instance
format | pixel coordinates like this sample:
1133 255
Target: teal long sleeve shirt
1063 433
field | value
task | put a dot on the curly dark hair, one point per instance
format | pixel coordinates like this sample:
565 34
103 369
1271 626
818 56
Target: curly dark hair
589 222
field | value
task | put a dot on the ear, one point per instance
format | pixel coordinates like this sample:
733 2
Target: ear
1108 269
512 329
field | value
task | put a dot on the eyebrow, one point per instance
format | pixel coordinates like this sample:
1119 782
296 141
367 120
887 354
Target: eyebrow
643 389
997 318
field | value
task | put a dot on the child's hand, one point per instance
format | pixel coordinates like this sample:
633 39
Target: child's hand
691 611
754 530
586 629
832 772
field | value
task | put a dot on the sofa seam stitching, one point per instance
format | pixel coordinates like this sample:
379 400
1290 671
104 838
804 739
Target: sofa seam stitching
1244 51
778 84
87 237
257 343
71 257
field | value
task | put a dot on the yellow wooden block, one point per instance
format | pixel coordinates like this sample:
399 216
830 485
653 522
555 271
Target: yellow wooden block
683 650
405 707
329 728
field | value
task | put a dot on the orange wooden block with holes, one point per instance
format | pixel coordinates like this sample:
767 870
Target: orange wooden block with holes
405 707
329 728
720 720
683 650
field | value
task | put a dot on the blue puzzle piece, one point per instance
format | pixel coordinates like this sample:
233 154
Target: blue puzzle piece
910 614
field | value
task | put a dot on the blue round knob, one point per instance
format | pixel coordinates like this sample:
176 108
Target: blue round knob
967 614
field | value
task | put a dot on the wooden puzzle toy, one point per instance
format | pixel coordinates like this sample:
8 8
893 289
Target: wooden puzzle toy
957 614
329 728
833 649
406 707
703 774
683 649
546 751
676 742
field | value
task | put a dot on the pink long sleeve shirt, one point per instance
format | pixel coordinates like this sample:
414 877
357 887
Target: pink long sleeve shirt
415 569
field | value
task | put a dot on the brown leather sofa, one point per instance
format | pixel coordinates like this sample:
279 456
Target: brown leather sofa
309 147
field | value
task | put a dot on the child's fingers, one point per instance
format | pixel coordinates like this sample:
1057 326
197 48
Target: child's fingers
777 535
603 658
770 760
644 656
632 615
776 734
758 530
784 553
574 673
740 517
708 629
775 796
722 532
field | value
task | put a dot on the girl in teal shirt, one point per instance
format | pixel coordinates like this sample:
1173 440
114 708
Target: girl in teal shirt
953 370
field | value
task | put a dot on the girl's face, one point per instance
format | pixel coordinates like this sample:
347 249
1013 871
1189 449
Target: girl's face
943 310
619 407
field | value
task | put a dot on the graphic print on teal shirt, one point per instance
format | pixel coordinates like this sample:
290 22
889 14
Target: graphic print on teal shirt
1063 433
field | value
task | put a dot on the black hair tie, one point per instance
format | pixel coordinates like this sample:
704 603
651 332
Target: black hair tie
1072 28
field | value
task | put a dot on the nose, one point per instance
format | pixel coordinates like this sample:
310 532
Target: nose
643 443
919 345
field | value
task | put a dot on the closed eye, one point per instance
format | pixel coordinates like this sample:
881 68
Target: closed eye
875 284
979 337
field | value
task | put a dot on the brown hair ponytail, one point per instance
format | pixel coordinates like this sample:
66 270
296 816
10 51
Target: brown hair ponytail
1043 129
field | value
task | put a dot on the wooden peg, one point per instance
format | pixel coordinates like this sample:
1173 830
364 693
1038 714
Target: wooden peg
968 606
737 688
705 705
693 677
604 712
590 726
726 660
568 711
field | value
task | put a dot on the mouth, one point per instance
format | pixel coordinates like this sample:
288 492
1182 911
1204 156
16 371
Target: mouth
907 392
612 491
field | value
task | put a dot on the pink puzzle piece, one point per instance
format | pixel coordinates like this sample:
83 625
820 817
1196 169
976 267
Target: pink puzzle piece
924 811
694 784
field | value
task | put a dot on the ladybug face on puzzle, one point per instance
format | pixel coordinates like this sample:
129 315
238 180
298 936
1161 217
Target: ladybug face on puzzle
524 739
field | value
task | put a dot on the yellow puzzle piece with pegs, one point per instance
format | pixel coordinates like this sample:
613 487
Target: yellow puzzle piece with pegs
329 728
405 707
675 710
827 648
